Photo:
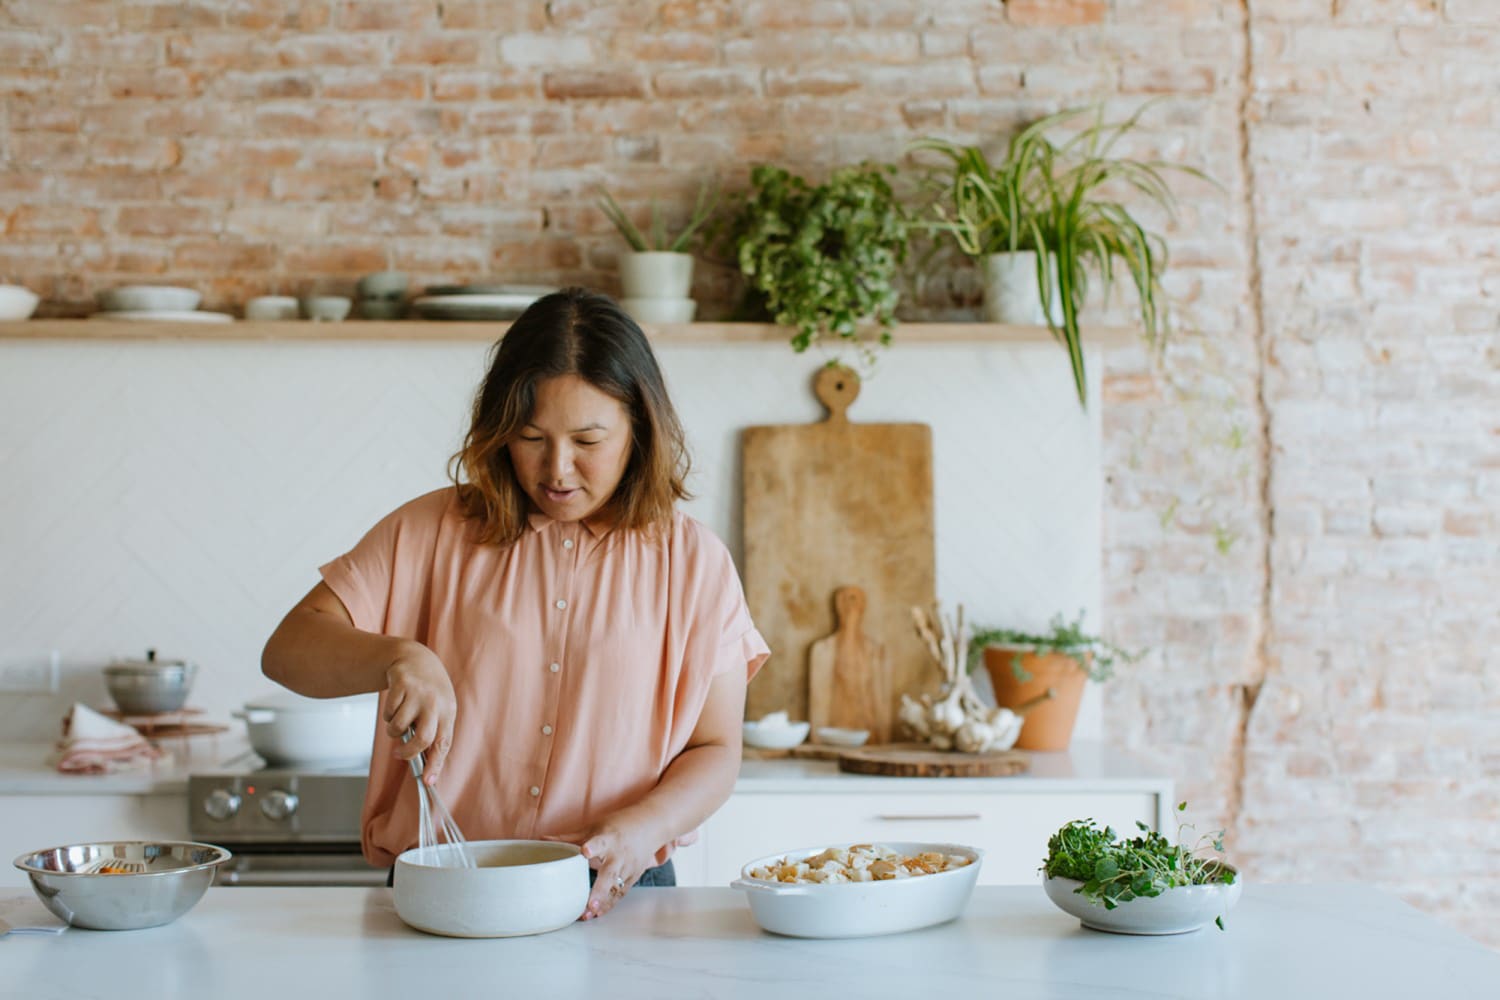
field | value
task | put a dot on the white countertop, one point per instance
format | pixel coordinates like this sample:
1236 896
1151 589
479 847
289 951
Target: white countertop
28 769
1283 942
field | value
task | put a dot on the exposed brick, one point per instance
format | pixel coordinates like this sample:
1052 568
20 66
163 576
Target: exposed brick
437 50
383 15
586 84
705 83
758 15
1056 12
373 85
547 50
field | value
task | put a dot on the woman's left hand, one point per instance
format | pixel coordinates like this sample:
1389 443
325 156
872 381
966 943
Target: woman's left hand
619 851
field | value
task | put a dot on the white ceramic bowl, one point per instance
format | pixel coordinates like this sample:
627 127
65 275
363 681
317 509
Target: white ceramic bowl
149 298
519 887
1179 910
836 737
17 302
861 909
327 308
772 736
660 310
271 308
287 729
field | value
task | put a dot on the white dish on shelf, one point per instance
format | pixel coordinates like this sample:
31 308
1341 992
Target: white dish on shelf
17 302
836 737
149 298
492 306
166 316
775 732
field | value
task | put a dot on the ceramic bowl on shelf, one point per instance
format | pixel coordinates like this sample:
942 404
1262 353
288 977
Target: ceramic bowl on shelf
1178 910
271 308
149 298
775 732
326 308
17 302
122 885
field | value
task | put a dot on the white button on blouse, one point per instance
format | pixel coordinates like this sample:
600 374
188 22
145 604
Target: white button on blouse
567 543
561 605
535 791
546 730
554 667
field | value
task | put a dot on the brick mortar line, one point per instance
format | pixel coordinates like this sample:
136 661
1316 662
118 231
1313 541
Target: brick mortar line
1250 689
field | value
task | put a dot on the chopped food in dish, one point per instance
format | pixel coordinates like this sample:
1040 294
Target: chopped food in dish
858 863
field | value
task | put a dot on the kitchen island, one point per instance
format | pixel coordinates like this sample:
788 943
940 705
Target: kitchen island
1283 942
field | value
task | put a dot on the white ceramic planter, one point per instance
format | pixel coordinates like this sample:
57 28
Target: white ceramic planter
1178 910
656 274
518 887
1011 294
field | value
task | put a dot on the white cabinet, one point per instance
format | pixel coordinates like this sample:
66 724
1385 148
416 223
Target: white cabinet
32 822
811 804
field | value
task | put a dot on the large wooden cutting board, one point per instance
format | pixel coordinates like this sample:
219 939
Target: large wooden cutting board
830 505
915 760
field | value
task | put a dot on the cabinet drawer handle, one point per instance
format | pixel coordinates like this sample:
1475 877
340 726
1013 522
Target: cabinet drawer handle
904 816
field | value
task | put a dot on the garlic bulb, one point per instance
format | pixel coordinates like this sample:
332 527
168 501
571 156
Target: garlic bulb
959 718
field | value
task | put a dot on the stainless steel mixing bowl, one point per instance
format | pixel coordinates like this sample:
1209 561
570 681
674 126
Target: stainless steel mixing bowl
141 884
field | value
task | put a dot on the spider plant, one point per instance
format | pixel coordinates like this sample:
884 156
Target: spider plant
660 238
1064 200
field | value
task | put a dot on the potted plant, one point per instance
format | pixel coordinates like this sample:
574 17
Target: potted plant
1144 885
1060 207
1024 667
824 257
656 274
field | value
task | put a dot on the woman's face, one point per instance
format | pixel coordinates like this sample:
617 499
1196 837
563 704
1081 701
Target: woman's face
572 453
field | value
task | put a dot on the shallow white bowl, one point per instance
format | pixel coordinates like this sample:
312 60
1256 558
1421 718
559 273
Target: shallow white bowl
775 737
1179 910
149 298
860 909
271 307
17 302
835 737
519 887
660 310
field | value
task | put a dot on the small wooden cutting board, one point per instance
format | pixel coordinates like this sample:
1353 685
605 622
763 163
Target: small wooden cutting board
917 760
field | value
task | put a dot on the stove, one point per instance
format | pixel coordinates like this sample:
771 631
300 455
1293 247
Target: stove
285 825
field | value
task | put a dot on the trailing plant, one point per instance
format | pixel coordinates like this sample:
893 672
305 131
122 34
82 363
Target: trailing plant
1115 871
825 257
1059 199
660 238
1094 655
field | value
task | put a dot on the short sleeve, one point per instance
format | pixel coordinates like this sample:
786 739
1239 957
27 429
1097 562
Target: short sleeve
737 643
392 557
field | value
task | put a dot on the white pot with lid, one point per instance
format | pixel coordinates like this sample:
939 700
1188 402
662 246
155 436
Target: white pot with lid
288 729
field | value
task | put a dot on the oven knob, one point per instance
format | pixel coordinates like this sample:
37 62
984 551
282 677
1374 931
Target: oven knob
221 803
279 804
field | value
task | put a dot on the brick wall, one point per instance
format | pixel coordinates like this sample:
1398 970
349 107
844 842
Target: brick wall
1301 516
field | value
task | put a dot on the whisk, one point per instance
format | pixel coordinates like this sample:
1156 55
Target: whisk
434 820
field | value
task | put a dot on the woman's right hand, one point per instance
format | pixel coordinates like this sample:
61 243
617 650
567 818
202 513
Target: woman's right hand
419 696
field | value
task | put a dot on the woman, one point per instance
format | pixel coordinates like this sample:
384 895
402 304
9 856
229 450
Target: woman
570 650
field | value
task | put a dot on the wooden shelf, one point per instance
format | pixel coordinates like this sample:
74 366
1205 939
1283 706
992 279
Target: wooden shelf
435 331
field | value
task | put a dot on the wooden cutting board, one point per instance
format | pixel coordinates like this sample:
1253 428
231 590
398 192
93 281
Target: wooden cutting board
829 505
915 760
848 682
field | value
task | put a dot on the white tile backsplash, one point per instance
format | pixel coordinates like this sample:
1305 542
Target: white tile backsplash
180 495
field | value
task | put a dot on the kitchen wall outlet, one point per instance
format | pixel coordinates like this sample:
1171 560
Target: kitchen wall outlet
31 673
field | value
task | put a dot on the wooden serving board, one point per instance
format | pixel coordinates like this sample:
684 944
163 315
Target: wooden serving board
830 505
916 760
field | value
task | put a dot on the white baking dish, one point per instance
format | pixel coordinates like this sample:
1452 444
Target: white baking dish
860 909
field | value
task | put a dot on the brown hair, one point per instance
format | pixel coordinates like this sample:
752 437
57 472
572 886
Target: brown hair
583 333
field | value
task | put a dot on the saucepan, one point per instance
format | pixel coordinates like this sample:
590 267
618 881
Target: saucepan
287 729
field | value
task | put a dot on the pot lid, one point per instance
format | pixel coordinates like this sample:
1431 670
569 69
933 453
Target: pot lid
151 663
290 701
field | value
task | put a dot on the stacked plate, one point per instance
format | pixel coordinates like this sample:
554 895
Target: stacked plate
477 301
161 303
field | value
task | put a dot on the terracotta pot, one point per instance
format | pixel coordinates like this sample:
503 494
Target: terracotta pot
1049 724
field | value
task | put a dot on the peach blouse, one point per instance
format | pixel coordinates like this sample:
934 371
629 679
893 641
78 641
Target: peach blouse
581 662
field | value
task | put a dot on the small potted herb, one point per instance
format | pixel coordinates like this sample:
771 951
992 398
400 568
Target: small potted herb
824 257
1056 664
1047 216
656 275
1144 885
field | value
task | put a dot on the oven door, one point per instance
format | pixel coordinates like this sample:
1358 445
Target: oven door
260 865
